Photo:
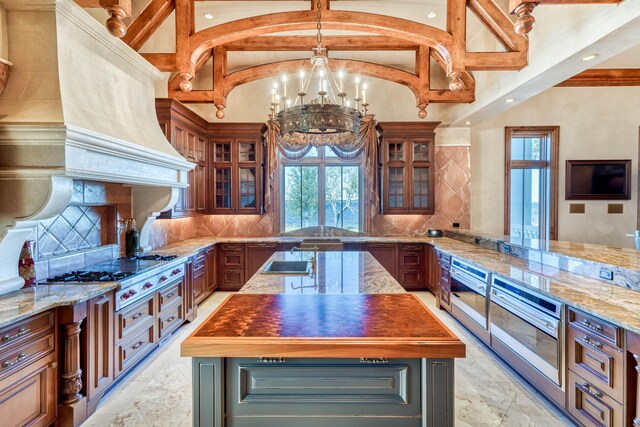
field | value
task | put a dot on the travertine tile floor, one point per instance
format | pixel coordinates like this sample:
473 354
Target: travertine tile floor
488 393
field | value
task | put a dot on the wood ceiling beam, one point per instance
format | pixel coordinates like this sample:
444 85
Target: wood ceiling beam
496 61
403 29
117 10
333 43
457 27
499 24
185 27
174 81
147 22
523 9
162 61
604 77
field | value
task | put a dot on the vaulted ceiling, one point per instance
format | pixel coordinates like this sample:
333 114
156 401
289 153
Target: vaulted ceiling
444 51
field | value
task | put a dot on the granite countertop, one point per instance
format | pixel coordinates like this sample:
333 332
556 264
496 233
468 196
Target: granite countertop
336 273
627 258
356 325
615 304
26 302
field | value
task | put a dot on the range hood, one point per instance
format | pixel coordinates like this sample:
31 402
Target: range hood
79 104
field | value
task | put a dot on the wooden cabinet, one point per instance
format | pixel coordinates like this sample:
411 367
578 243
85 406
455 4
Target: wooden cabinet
231 264
187 133
211 260
199 277
432 269
407 159
385 254
633 378
411 267
28 372
596 370
256 254
236 172
99 346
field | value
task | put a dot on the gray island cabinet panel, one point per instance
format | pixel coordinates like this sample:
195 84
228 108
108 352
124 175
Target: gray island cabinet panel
281 392
345 360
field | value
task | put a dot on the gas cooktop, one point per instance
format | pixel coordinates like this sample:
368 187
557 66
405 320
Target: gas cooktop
113 271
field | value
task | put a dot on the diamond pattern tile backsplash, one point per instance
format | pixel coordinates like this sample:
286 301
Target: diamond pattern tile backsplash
77 228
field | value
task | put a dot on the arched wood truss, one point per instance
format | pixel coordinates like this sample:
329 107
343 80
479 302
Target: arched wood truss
448 48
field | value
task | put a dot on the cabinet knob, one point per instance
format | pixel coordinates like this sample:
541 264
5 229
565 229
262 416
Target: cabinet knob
53 365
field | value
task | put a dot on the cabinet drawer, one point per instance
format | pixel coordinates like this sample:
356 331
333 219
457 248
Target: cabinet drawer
414 247
169 294
27 397
236 247
410 258
25 330
129 318
597 362
411 277
170 319
134 348
232 259
232 279
199 262
606 332
444 260
590 405
16 357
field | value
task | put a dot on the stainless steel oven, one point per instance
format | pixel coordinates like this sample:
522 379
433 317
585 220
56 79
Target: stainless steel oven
530 326
469 296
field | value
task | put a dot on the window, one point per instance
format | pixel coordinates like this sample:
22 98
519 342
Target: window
322 189
531 182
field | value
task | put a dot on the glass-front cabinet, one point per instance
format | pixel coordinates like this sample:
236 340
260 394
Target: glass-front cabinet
406 163
237 168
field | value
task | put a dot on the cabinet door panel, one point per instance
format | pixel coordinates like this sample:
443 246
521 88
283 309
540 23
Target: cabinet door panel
385 254
100 321
27 397
222 188
256 255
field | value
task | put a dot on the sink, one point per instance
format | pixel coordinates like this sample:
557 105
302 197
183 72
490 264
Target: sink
288 267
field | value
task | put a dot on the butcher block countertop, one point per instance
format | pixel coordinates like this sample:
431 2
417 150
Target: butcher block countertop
323 326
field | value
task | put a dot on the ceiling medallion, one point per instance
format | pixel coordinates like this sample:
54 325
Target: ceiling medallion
329 118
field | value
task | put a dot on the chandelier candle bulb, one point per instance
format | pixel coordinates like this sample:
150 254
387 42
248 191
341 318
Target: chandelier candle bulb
284 83
357 87
301 81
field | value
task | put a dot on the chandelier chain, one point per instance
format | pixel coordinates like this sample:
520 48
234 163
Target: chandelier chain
319 25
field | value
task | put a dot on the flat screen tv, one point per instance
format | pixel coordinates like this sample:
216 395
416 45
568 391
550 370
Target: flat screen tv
598 180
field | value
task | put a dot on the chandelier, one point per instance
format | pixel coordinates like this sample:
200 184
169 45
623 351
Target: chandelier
328 118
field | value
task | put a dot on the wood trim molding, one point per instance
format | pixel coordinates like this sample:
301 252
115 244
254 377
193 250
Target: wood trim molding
553 163
604 77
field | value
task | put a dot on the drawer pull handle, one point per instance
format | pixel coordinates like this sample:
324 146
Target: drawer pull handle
591 326
171 319
137 316
374 360
272 359
137 345
18 334
587 388
593 344
7 363
171 295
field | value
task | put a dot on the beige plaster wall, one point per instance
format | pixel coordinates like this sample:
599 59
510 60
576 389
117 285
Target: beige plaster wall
595 123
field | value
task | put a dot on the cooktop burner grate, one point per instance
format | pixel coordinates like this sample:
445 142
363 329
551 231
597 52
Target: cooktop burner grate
152 257
91 276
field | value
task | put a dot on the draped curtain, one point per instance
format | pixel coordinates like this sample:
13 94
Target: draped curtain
365 145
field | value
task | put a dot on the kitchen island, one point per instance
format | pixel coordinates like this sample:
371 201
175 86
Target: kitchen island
323 360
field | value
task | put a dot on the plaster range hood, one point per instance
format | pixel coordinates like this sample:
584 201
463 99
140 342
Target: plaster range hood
79 104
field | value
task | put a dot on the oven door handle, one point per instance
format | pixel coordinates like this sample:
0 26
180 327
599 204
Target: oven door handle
548 326
482 290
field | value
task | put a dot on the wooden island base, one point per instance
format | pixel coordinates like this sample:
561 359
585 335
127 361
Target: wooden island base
360 360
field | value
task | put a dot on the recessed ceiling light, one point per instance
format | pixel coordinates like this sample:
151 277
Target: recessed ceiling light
208 15
590 57
431 15
467 123
509 100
